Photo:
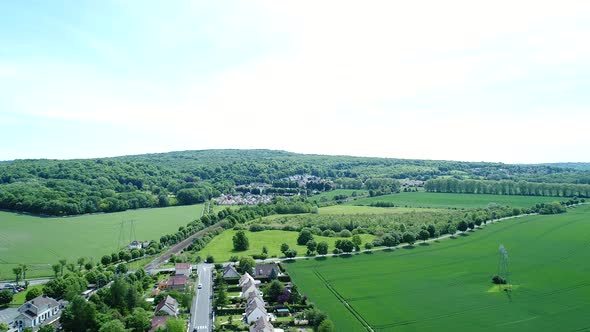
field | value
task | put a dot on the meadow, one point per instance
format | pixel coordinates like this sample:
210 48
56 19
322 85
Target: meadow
442 200
446 286
221 247
42 241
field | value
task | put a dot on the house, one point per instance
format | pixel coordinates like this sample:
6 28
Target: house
262 325
159 321
183 269
135 245
230 272
37 311
254 312
249 287
245 278
270 270
168 305
255 297
177 282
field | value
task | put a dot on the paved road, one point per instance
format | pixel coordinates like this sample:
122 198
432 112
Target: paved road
201 310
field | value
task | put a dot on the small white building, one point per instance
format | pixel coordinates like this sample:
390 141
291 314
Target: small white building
254 312
249 287
245 278
135 245
37 311
184 269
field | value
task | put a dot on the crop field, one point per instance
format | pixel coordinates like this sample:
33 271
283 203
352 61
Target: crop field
446 286
441 200
41 241
221 247
363 209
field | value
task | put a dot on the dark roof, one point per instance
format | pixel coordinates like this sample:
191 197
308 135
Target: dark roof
264 270
168 301
177 280
183 266
230 272
159 321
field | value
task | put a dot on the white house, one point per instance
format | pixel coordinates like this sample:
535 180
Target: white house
245 278
135 245
255 297
249 287
184 269
262 325
168 305
255 312
37 311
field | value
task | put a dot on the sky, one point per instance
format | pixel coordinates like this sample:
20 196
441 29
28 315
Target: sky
505 81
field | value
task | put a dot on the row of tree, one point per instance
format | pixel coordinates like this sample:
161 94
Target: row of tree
505 187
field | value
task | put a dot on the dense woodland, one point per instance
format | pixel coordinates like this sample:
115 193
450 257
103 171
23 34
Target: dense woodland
69 187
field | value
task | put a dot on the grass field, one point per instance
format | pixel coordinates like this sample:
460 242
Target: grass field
329 195
40 241
447 286
441 200
221 247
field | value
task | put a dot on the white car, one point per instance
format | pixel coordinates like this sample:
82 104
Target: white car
199 286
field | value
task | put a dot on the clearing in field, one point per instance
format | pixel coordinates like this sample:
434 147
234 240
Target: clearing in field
447 286
442 200
221 247
42 241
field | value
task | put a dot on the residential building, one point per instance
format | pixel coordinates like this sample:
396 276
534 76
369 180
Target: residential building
266 270
168 305
135 245
159 321
254 312
230 272
183 269
255 297
262 325
37 311
177 282
249 287
245 278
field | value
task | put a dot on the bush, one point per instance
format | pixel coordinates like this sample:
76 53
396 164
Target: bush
498 280
210 259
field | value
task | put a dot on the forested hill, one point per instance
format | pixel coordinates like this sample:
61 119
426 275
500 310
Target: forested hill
66 187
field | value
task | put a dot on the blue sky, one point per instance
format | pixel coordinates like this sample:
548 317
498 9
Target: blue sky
457 80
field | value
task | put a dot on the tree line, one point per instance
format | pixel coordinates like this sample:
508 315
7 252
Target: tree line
505 187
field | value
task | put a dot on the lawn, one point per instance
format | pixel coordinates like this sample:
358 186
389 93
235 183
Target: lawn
442 200
20 298
221 247
447 286
42 241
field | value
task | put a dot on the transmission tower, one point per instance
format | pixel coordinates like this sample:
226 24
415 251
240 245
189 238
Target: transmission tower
503 267
123 241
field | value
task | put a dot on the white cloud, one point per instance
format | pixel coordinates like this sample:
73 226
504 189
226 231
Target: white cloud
410 80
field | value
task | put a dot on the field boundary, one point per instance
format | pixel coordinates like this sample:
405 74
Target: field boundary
340 298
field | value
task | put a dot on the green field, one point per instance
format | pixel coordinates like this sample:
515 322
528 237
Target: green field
441 200
221 247
40 241
362 209
329 195
447 286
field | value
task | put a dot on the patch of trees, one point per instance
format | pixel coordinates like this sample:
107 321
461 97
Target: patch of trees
505 187
69 187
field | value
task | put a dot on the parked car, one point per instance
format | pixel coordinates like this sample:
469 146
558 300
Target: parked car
200 286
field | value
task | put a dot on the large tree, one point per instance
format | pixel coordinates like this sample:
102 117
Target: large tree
246 264
304 236
423 235
409 238
5 297
240 241
33 293
79 316
322 248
